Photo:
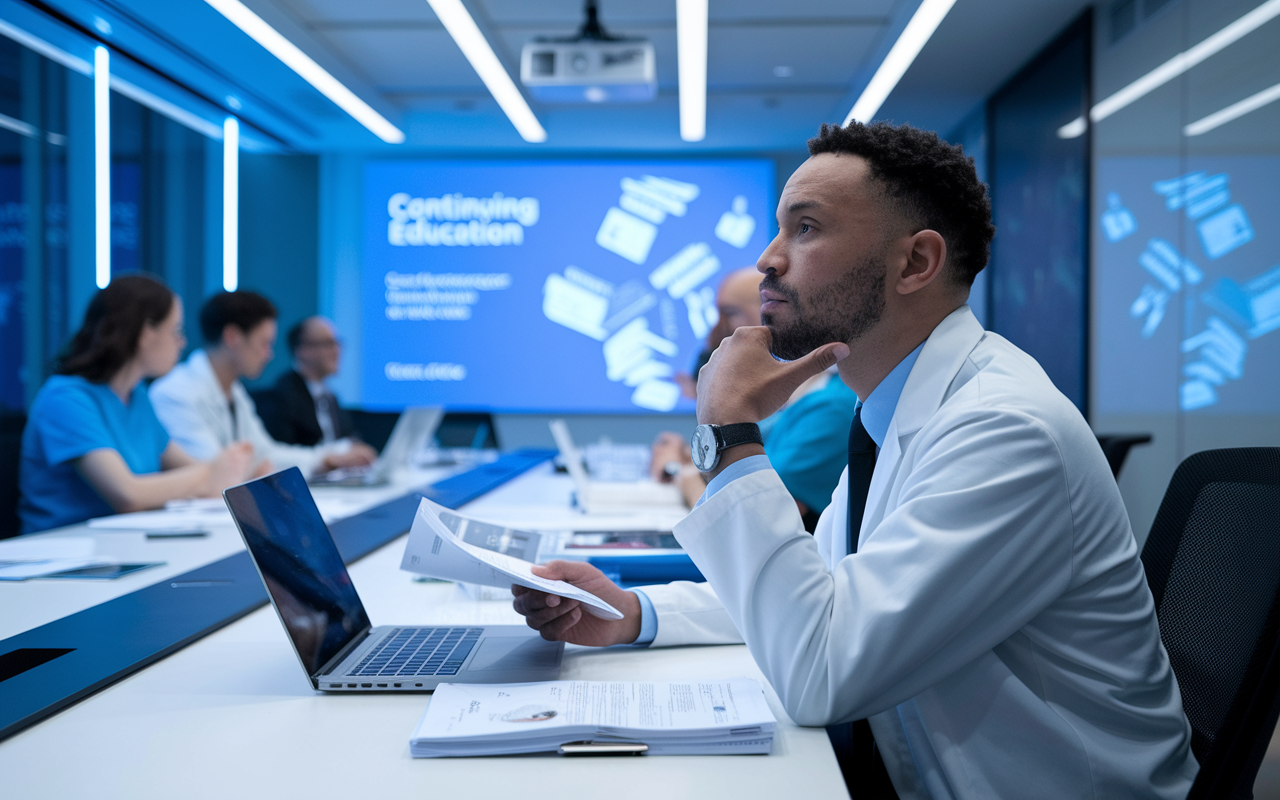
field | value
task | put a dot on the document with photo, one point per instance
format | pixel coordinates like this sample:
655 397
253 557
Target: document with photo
437 552
693 717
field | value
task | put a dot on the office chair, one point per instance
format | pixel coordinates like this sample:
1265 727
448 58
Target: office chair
11 425
1116 449
1213 563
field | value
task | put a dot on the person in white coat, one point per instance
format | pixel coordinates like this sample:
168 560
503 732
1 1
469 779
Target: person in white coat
992 620
204 406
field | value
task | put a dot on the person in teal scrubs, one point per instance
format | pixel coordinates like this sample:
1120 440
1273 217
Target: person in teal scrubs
93 445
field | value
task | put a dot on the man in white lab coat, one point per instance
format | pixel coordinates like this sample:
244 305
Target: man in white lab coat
205 407
989 616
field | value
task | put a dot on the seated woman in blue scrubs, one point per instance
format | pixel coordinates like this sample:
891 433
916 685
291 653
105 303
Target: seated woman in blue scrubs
93 445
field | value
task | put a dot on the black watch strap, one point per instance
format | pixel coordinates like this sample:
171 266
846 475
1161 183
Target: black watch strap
739 433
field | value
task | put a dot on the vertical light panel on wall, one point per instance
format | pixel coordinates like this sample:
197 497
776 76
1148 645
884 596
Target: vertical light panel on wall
102 165
230 204
691 54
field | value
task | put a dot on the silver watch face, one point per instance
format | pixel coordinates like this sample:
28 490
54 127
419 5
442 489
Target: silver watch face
703 445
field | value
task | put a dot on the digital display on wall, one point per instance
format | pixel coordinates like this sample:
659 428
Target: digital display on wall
549 286
1188 280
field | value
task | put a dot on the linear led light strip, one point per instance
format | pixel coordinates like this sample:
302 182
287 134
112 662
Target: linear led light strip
230 204
102 165
1176 66
458 22
904 51
1233 111
136 93
691 51
309 70
1186 60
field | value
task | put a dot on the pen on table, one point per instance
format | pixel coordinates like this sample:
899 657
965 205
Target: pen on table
178 533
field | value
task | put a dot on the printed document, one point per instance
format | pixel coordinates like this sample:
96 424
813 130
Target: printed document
437 552
692 717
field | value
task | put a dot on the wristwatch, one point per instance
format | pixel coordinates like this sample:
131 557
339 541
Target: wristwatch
709 441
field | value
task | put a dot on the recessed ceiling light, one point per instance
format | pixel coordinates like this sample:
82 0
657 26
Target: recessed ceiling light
102 26
691 58
466 34
233 102
912 40
783 71
311 72
1233 111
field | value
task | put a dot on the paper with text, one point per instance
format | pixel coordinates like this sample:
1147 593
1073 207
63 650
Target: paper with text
435 551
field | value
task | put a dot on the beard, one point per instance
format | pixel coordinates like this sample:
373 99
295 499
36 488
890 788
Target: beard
842 312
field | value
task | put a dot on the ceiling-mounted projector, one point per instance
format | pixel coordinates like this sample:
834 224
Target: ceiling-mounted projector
591 67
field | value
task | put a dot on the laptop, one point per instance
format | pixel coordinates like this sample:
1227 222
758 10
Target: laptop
604 497
414 428
340 650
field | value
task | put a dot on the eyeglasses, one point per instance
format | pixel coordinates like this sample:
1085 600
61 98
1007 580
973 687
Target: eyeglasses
325 343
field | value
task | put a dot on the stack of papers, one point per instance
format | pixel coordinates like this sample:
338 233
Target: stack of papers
437 552
715 717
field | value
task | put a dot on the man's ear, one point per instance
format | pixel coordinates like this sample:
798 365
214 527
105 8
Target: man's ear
231 335
926 258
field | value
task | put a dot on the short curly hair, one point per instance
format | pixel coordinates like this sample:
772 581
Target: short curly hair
930 182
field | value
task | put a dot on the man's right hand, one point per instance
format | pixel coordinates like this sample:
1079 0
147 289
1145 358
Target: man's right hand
743 382
232 465
560 619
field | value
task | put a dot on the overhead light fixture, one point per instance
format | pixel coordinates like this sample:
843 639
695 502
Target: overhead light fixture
466 34
904 51
691 51
1233 111
1186 60
309 70
230 204
102 165
1073 129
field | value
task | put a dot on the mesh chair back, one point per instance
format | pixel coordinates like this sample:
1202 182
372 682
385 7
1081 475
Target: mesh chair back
1213 564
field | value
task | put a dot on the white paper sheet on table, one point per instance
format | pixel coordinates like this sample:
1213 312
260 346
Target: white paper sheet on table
33 556
433 550
164 519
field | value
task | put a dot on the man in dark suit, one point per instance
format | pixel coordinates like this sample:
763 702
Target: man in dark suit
300 408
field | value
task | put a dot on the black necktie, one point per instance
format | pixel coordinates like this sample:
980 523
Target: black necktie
855 746
862 461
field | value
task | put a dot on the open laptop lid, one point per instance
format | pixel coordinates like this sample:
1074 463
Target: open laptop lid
296 556
572 458
415 426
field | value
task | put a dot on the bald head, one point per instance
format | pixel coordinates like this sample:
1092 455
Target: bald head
316 349
738 303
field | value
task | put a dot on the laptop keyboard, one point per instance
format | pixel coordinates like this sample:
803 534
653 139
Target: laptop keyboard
419 651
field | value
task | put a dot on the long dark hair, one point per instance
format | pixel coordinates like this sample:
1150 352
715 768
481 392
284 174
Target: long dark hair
112 326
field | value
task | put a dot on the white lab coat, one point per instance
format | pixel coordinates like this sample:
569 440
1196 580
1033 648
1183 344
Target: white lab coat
194 410
995 625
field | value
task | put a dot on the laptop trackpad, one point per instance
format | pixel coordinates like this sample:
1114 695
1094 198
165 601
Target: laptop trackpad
514 652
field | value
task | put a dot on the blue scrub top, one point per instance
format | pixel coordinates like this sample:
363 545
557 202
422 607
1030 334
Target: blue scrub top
808 442
69 418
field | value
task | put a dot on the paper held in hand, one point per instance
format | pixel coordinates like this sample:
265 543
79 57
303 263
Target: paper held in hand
711 717
435 551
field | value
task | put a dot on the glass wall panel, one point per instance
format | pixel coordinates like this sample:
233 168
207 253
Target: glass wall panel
33 219
1186 286
1039 177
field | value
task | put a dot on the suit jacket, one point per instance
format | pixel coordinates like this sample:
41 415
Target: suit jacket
995 624
290 413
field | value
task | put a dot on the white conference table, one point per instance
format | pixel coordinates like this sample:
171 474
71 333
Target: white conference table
233 715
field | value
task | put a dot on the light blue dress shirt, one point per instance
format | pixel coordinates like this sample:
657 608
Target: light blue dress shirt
877 413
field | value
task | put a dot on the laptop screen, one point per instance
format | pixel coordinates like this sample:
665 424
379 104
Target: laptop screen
299 564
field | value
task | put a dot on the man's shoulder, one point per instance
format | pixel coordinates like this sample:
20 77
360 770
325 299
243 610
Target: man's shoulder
1002 392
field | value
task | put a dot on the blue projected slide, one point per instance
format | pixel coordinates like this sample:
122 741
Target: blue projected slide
549 286
1188 287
